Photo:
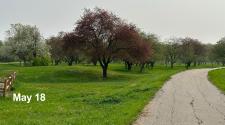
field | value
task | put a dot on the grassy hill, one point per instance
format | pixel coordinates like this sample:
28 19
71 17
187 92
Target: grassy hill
77 95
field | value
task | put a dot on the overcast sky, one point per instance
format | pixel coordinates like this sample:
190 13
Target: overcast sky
200 19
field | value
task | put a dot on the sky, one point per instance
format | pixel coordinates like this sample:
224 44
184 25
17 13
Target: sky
199 19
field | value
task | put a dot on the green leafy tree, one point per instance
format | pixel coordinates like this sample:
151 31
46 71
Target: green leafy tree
172 51
25 42
187 51
5 55
219 51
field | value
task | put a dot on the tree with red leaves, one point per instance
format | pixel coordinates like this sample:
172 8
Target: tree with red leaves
138 53
128 33
105 36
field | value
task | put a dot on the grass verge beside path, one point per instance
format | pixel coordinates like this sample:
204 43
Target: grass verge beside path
217 77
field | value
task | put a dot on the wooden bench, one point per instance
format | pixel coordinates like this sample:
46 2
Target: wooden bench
6 84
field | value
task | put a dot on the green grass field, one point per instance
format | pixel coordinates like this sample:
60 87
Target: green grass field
77 95
218 78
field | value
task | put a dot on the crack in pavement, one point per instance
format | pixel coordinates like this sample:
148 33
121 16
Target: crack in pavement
194 112
173 107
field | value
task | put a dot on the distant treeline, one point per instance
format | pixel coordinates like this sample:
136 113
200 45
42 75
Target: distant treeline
100 37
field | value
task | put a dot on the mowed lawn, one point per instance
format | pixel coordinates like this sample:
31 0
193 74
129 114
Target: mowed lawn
217 77
77 95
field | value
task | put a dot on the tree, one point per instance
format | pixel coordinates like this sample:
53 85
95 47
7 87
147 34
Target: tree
199 52
71 47
210 55
56 49
1 43
171 51
219 51
190 50
144 54
155 46
24 41
100 32
139 52
131 55
36 38
187 52
5 55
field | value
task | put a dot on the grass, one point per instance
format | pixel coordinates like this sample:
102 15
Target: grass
218 78
78 95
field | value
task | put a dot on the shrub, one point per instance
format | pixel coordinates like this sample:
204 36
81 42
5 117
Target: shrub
41 61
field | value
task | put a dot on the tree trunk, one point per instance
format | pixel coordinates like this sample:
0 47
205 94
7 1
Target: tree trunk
195 64
104 64
104 72
104 69
142 67
57 62
129 66
188 65
34 54
152 64
94 63
70 63
171 64
24 62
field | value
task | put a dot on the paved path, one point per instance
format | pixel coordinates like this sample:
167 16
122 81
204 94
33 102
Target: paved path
187 99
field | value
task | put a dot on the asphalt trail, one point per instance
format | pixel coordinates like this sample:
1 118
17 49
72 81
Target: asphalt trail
188 98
